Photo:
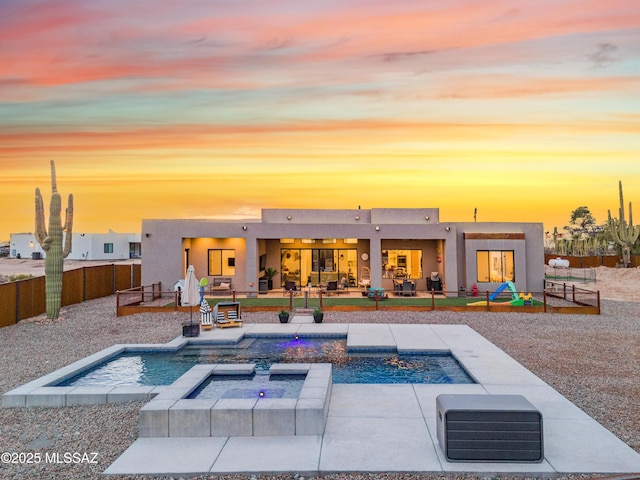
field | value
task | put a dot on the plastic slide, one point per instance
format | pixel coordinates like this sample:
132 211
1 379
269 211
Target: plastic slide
517 300
500 289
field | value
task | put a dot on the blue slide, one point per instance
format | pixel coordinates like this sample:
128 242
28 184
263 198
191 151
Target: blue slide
512 289
495 294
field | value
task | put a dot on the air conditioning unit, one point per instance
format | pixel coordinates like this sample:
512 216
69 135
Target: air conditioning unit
489 428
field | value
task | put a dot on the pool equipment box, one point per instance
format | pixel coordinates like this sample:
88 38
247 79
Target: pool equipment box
489 428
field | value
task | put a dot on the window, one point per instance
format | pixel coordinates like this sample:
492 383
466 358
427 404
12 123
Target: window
318 266
495 266
402 263
108 248
222 262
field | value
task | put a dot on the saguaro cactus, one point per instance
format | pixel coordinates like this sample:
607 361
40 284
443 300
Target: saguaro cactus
51 242
623 233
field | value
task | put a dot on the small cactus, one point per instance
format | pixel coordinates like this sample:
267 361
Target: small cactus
51 240
623 233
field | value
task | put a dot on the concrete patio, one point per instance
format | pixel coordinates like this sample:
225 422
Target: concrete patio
391 428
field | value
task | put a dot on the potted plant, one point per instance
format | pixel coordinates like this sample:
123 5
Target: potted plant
317 315
270 273
284 316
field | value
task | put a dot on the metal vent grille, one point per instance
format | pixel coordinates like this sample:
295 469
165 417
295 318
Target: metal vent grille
489 428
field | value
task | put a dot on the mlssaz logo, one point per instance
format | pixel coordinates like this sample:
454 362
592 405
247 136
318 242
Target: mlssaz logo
72 457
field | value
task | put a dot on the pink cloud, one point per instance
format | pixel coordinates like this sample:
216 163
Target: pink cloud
62 42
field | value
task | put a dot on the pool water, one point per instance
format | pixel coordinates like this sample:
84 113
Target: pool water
250 386
162 368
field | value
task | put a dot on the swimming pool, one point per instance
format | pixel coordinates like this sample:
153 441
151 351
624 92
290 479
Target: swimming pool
386 367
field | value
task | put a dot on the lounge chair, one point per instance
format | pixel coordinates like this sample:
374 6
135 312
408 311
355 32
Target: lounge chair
206 322
227 314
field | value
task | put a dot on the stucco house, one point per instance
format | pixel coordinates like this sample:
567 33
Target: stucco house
84 246
309 246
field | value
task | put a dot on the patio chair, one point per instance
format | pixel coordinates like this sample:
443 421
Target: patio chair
365 278
227 314
206 322
332 287
290 287
343 286
434 282
408 288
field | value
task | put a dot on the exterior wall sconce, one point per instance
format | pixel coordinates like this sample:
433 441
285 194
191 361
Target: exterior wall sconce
357 217
288 217
147 235
427 218
447 228
377 228
244 227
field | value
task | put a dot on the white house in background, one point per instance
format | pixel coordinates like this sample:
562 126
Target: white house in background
84 246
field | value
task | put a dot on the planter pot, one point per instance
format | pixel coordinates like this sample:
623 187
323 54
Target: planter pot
283 318
190 330
270 284
317 318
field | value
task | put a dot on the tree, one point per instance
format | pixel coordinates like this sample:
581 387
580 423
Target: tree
582 223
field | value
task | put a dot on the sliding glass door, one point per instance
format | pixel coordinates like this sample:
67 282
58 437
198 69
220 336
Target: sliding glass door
318 266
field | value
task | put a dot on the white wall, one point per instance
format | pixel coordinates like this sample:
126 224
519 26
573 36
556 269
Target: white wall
84 246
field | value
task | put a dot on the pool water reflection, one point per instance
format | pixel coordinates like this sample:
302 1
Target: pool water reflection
162 368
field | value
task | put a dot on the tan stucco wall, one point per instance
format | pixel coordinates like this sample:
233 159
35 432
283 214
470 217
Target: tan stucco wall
164 242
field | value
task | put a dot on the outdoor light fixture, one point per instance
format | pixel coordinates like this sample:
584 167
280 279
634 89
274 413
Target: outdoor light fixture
447 228
357 217
261 394
244 227
377 228
147 235
427 218
288 217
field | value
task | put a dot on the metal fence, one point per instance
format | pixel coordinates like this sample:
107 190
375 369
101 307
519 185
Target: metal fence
26 298
572 294
569 300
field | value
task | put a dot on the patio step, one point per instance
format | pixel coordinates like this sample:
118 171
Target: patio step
302 318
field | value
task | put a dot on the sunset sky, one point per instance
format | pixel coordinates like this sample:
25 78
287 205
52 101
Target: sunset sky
524 110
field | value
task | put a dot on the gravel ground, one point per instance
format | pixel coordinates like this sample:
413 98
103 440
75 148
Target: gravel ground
592 360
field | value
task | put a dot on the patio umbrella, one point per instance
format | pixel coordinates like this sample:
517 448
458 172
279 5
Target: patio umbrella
191 296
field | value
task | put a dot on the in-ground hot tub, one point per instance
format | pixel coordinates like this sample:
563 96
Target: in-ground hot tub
179 412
